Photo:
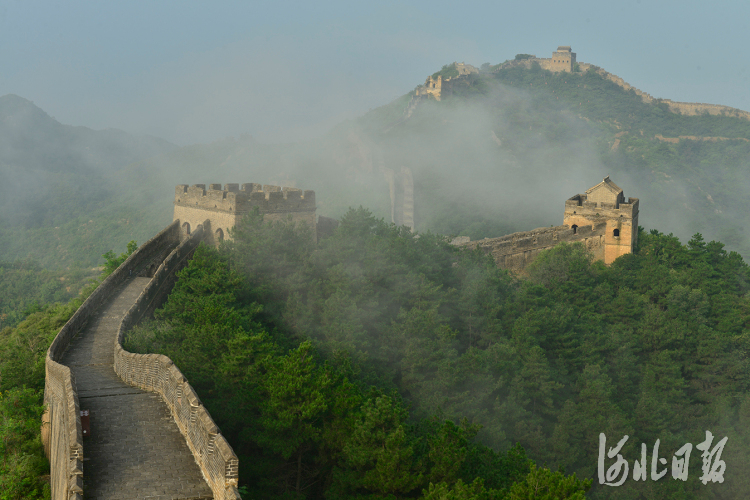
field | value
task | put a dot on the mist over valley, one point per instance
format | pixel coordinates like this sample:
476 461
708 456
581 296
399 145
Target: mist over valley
315 356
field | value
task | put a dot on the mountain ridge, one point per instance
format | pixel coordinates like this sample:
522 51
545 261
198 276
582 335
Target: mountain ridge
498 154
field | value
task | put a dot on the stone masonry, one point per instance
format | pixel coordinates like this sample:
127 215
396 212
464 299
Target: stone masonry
605 205
135 449
222 209
599 218
150 436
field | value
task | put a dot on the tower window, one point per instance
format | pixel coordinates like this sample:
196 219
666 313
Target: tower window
574 228
616 233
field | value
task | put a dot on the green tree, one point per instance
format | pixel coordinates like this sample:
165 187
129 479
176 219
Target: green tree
113 261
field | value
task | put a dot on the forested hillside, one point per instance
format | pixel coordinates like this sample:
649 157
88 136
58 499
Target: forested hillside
504 148
653 347
63 199
396 340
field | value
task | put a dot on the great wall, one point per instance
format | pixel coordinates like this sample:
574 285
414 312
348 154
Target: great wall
600 218
564 60
101 432
125 425
120 425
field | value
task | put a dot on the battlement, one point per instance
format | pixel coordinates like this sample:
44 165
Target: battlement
579 204
605 204
235 198
224 208
431 87
601 219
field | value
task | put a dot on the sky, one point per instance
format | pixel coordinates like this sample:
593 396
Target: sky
195 72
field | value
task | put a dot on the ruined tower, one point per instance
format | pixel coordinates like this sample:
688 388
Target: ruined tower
604 205
224 208
432 86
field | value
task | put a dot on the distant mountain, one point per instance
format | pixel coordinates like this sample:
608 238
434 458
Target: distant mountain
54 174
499 152
505 146
31 139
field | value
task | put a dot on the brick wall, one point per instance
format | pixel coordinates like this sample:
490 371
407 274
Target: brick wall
61 425
225 208
157 373
516 251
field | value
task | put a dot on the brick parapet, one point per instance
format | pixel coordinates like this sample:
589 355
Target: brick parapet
579 205
61 433
157 373
516 251
235 200
225 208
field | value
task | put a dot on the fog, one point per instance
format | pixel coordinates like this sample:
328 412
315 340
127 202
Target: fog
287 71
104 109
273 92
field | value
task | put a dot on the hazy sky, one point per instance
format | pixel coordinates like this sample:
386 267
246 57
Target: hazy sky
198 71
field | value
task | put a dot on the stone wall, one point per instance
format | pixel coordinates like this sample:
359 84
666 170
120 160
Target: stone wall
224 208
157 373
61 430
685 108
432 87
516 251
618 219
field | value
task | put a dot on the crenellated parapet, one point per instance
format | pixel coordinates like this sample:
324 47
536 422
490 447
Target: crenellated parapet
605 204
516 251
224 208
601 218
234 198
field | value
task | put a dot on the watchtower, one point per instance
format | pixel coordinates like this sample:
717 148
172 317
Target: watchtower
604 204
224 208
562 59
432 86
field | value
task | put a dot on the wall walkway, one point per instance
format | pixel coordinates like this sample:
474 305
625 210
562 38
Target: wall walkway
135 449
516 251
150 435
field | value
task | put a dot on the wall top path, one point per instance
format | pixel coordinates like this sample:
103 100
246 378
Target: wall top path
62 433
135 449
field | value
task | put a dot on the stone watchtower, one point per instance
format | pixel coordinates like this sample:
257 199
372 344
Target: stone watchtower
562 59
604 204
432 86
224 208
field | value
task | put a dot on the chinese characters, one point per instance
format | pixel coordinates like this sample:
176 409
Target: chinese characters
713 467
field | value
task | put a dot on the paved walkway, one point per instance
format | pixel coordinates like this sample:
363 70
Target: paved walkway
135 450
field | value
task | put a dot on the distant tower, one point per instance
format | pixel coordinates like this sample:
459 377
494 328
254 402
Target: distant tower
432 86
605 203
563 59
